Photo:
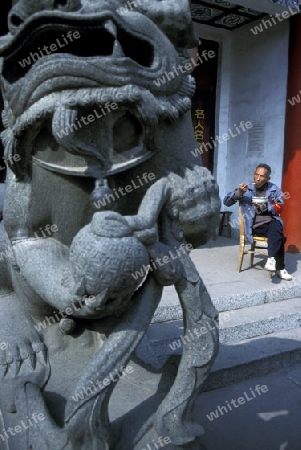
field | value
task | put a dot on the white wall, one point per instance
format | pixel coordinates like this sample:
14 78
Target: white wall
259 66
252 83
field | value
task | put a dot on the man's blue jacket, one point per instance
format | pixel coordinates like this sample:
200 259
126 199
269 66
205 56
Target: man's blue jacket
274 195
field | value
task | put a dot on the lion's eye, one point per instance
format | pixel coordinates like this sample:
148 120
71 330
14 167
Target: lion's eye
106 39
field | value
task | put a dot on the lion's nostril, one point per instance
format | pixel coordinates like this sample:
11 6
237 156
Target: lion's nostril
59 3
15 20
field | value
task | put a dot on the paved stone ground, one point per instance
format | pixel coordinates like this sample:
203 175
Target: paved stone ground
230 289
265 420
270 421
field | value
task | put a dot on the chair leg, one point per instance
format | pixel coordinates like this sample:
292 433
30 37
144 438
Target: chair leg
252 254
240 256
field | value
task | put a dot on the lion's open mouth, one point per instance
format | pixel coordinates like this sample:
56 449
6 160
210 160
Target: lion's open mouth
78 39
52 53
61 70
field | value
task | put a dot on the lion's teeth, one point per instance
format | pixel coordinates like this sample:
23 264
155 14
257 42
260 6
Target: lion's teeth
111 28
118 50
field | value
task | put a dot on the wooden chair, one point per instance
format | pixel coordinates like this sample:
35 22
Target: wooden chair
260 242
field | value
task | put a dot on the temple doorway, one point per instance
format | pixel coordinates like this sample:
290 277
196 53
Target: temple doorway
204 100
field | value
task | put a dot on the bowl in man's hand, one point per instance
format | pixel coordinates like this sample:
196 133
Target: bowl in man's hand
259 200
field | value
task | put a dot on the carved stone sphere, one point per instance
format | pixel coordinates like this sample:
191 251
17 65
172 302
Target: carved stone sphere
106 257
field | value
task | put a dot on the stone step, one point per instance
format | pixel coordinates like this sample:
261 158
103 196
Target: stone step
279 290
289 290
259 320
163 340
241 360
254 357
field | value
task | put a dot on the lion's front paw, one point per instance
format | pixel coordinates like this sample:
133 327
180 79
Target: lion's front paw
23 355
195 203
15 357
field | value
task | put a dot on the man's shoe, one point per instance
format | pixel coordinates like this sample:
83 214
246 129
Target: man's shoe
283 275
270 264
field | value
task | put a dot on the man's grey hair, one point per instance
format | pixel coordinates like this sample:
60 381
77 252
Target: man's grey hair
266 167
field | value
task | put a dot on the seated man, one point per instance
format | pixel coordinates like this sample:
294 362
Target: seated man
261 217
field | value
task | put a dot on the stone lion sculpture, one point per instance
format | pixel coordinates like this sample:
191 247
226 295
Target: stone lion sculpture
102 181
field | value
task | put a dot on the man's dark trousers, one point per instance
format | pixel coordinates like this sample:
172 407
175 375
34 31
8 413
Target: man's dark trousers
274 232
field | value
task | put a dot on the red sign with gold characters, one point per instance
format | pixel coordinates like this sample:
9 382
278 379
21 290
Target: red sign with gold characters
199 115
